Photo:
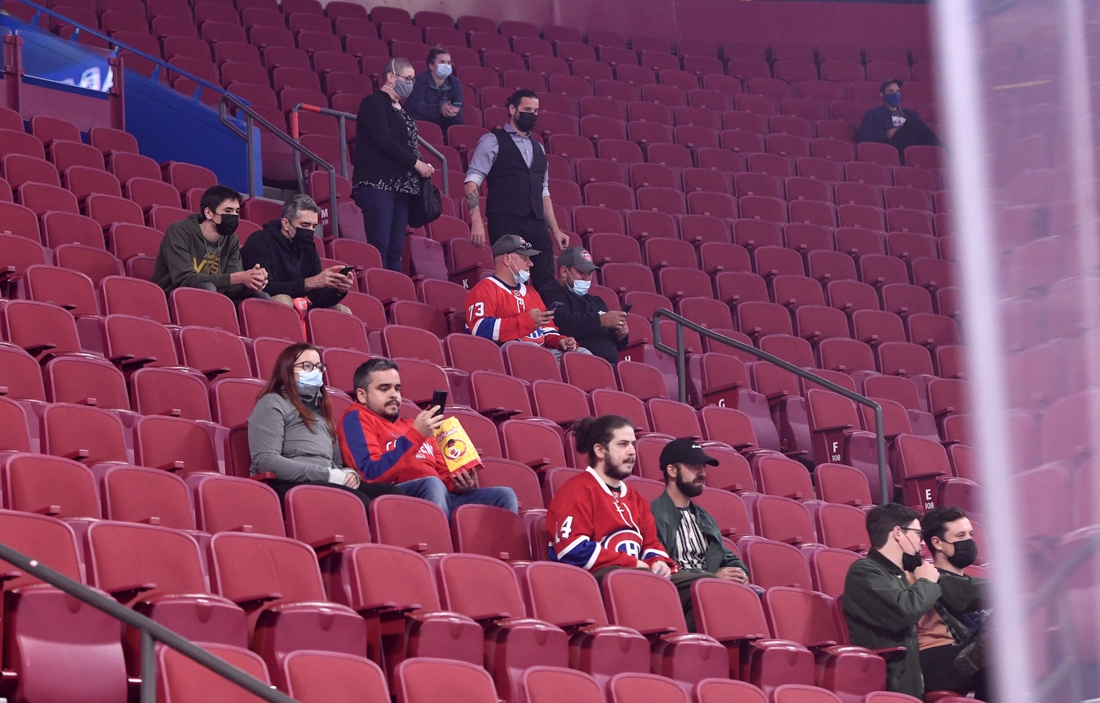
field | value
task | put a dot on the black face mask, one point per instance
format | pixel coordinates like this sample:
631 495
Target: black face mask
910 562
966 553
525 121
228 225
303 238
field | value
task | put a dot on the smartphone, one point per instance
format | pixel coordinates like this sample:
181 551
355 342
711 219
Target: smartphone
456 104
555 305
626 308
439 399
346 270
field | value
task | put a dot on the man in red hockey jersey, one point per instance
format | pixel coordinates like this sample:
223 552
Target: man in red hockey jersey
599 523
505 308
387 448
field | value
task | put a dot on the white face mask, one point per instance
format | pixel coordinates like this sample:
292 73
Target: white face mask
310 379
522 276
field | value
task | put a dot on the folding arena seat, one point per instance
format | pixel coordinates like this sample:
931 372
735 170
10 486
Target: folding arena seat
41 621
83 433
588 372
843 527
842 484
536 445
41 329
244 565
84 380
866 173
801 188
882 271
673 418
174 444
471 353
613 196
931 330
807 618
776 564
784 477
531 362
261 318
783 520
47 485
615 248
492 532
214 353
828 266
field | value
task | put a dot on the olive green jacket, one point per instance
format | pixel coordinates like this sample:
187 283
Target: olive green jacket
883 610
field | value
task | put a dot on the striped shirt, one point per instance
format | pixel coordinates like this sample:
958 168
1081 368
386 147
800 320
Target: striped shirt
690 542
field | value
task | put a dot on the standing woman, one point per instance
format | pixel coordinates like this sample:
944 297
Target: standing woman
291 433
388 167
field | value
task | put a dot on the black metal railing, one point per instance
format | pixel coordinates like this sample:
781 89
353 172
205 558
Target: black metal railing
341 126
151 632
885 482
226 101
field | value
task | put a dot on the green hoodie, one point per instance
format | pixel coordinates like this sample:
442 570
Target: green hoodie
182 260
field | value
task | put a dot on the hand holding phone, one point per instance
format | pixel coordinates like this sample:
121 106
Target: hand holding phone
346 270
627 307
439 399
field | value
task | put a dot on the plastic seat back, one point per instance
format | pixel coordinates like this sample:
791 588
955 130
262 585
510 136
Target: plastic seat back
728 611
315 677
230 504
480 587
249 565
546 584
325 517
82 433
644 688
426 680
776 564
149 496
49 485
843 527
410 523
490 531
643 601
174 444
546 684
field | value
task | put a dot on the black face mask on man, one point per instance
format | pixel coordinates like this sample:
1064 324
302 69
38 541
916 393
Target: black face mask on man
525 121
228 225
910 562
966 553
303 238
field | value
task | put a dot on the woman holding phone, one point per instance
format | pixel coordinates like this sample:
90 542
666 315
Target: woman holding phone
291 431
388 167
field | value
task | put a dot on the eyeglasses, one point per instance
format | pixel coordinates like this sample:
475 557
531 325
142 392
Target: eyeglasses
909 529
407 79
308 366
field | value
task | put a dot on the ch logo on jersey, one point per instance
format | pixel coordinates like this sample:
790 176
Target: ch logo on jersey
626 541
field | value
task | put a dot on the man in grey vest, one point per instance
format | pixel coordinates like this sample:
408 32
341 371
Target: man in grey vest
514 167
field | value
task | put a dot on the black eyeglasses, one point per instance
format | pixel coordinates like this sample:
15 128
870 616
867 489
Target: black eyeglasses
310 366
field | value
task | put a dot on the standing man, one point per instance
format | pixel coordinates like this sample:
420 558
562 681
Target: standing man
202 251
952 625
690 535
504 308
596 521
285 249
437 93
387 448
515 167
881 605
582 315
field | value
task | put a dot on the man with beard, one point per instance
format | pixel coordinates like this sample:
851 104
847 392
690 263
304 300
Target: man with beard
285 249
690 535
387 448
598 523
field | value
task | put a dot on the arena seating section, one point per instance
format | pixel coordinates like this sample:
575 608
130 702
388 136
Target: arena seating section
722 182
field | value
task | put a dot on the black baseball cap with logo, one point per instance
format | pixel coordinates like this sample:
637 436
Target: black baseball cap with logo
513 244
578 258
685 451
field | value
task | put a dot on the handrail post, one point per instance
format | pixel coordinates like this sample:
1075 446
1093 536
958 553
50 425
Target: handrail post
333 215
884 480
148 668
250 150
343 132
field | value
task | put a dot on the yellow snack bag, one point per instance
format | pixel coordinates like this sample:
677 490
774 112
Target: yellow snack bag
458 450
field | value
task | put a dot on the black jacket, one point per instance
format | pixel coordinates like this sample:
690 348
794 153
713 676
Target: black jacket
877 121
426 100
288 266
579 317
381 141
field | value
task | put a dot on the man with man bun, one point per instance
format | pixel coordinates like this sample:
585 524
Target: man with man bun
597 522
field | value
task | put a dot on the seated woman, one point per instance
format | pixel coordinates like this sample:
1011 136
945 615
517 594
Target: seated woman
291 432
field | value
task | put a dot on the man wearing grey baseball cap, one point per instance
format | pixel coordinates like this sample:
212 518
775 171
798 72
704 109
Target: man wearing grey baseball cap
505 308
581 314
691 536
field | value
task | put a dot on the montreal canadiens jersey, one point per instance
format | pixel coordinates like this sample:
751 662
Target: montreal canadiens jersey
593 527
497 311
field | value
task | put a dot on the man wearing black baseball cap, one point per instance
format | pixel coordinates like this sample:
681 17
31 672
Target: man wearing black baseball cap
691 536
505 308
583 315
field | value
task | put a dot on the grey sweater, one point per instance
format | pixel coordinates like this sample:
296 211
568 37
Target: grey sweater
281 443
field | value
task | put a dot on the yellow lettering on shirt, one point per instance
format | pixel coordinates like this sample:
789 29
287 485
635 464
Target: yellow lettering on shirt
210 265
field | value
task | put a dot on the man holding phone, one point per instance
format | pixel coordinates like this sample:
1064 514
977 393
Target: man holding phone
387 448
583 315
286 249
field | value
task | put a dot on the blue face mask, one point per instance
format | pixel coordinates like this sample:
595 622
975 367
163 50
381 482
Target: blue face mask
892 99
310 380
443 70
581 287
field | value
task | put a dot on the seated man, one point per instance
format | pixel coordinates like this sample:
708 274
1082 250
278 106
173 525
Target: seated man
437 93
895 125
580 314
690 535
202 251
387 448
952 623
881 605
598 523
504 308
284 248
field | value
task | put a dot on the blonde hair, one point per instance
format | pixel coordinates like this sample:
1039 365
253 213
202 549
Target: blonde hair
394 66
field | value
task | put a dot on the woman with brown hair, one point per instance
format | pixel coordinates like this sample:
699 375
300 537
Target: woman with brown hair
291 433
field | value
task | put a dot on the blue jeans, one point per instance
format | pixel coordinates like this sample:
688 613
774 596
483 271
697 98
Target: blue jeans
433 489
385 218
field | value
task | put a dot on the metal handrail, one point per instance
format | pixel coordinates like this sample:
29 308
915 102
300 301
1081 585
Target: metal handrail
238 103
151 632
341 124
681 376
